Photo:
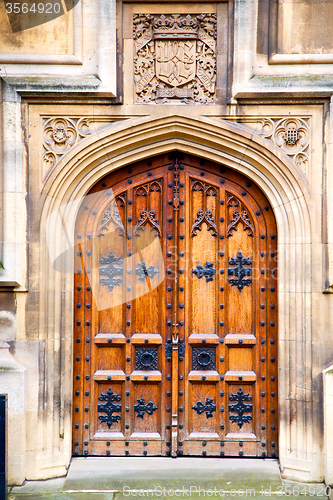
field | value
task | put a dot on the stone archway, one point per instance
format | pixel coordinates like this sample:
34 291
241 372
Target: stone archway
123 143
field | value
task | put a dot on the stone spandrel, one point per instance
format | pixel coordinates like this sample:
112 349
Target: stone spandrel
175 58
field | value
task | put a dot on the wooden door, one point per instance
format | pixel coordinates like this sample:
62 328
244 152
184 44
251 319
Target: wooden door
175 314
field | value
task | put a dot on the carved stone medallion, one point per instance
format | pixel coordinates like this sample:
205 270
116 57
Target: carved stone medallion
175 58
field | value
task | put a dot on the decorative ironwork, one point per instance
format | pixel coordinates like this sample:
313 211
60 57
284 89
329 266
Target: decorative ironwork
240 408
168 350
207 271
114 274
209 406
175 58
141 408
181 349
143 272
240 217
176 187
203 358
109 407
207 217
146 358
147 217
240 272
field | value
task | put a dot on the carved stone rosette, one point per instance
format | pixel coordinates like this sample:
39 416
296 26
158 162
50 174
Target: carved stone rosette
60 134
175 58
292 135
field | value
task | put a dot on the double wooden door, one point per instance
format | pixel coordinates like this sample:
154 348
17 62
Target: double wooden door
175 302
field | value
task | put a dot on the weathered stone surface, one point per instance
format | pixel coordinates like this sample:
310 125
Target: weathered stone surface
72 79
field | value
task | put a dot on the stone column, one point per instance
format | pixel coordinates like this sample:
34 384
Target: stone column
328 424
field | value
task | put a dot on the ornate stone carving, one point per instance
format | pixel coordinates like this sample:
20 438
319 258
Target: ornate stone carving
175 58
60 134
292 135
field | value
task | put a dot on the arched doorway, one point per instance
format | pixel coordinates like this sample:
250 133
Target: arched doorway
175 313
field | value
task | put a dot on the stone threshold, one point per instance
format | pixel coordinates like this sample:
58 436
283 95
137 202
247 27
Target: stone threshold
95 478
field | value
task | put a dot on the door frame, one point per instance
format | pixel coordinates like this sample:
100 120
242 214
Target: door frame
224 143
191 383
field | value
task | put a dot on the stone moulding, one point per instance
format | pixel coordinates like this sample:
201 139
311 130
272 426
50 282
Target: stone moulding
328 423
62 133
262 162
291 135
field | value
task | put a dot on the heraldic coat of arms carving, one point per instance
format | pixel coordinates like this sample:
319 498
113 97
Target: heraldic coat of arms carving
175 58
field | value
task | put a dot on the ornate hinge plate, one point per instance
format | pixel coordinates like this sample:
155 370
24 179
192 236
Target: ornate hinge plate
208 272
240 272
208 407
141 408
240 408
109 407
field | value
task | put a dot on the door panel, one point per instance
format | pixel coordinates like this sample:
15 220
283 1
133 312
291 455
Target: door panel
175 314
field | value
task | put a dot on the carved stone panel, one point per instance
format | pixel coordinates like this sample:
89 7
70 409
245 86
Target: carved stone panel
175 58
291 135
60 134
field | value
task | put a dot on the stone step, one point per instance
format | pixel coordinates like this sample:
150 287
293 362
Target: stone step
125 474
165 478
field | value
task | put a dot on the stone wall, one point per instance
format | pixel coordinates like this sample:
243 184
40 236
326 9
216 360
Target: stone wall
74 108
